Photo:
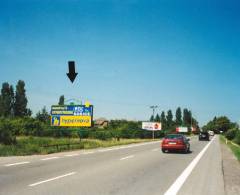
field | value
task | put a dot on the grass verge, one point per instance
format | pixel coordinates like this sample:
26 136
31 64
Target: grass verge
45 145
234 147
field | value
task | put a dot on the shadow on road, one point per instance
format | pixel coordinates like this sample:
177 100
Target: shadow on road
178 152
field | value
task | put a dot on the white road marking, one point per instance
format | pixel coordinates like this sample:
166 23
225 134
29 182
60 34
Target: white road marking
155 150
175 187
72 155
14 164
50 158
52 179
88 152
109 149
127 157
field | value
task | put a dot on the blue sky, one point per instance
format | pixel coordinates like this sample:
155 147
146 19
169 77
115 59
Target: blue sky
129 54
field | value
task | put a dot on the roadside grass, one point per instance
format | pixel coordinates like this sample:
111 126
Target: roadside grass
235 148
46 145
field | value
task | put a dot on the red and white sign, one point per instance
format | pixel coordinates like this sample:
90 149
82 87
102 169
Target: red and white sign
182 129
151 126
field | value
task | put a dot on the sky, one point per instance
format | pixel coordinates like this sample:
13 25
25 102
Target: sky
129 54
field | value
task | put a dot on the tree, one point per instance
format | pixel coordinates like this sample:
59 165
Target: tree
210 126
178 116
187 117
223 124
1 106
169 119
157 118
61 100
195 123
219 124
20 106
6 100
163 120
12 96
29 112
152 118
43 115
214 119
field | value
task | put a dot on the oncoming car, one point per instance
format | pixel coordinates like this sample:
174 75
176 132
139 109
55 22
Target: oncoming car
203 136
175 142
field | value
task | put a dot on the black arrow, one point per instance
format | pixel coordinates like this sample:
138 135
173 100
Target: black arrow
72 74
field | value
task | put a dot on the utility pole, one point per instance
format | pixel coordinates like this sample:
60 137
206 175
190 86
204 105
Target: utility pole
153 108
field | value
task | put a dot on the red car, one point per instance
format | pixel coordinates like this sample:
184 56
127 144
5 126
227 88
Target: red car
175 142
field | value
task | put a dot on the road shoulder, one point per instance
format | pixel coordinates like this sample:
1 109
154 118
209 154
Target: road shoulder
231 171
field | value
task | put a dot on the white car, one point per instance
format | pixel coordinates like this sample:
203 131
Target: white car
211 133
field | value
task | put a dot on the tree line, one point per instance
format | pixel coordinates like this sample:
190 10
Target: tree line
220 125
224 126
182 118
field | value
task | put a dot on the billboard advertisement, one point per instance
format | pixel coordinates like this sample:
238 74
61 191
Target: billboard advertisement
151 126
182 129
72 115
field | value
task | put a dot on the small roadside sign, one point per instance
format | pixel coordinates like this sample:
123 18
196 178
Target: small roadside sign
182 129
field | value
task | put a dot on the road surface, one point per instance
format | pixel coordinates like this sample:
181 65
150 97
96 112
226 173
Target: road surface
139 169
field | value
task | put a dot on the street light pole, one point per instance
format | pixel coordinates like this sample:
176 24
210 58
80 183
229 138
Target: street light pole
153 108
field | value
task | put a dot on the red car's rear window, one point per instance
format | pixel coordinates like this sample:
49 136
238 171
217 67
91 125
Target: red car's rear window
174 136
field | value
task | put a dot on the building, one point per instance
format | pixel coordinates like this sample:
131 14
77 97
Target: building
101 123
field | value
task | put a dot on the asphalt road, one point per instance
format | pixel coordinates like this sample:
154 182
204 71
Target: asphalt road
140 169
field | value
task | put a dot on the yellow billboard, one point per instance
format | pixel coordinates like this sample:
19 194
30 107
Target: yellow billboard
72 115
72 121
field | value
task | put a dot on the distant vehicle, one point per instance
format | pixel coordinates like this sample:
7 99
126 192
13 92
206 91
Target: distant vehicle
211 133
176 142
203 136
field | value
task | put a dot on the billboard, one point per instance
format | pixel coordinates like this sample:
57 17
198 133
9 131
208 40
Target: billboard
194 129
182 129
151 126
72 115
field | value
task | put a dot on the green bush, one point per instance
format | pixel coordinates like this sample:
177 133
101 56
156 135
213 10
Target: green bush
83 134
18 126
237 137
29 126
101 135
33 127
230 134
7 135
